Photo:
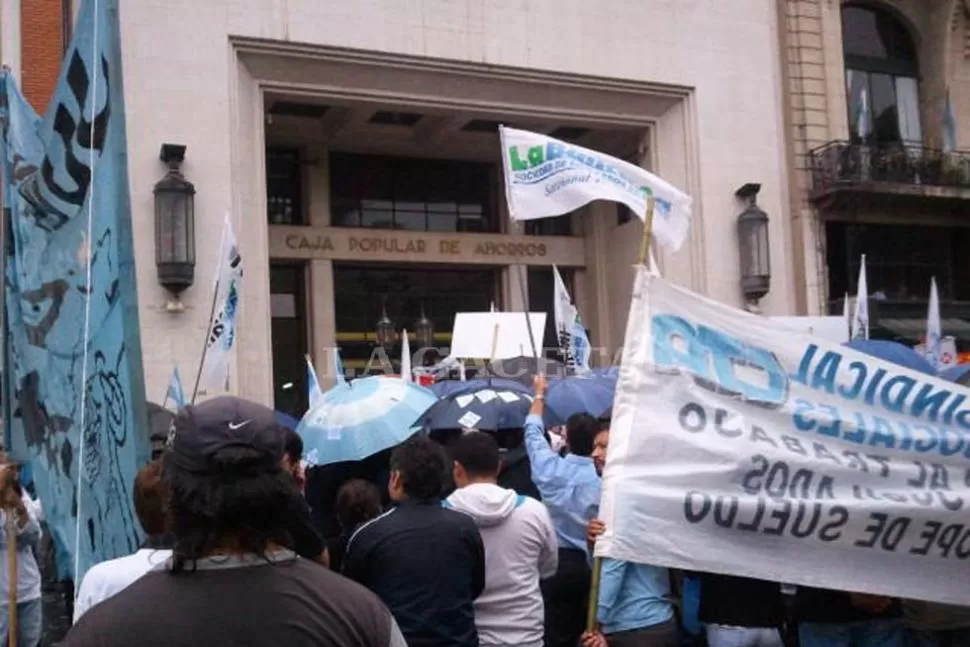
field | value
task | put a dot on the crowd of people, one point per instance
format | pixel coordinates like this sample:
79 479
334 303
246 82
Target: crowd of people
444 546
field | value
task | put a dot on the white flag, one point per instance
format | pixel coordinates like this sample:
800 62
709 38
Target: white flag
860 322
934 334
222 328
406 358
545 177
573 341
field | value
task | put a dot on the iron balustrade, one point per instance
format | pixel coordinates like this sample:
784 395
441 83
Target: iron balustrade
843 164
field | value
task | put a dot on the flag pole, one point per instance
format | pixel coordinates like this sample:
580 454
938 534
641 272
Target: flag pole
594 583
523 277
205 344
212 312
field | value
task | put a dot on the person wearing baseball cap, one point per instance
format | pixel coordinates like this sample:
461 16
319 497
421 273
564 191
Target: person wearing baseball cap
232 578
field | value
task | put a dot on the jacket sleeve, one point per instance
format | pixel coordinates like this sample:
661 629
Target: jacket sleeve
478 558
548 468
611 578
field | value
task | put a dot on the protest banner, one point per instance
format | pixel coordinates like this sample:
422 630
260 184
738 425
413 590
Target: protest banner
75 394
741 447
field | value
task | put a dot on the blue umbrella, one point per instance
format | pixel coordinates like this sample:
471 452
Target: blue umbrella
892 351
447 387
590 394
485 405
357 419
606 371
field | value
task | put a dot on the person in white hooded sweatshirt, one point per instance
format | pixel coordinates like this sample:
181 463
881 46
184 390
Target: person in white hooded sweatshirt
520 545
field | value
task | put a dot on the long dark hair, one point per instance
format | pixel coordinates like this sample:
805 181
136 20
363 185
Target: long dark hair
241 502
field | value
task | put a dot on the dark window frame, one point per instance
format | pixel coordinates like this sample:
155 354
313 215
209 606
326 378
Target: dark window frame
407 190
297 193
905 66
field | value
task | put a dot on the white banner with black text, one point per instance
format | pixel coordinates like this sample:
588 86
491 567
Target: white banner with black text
741 447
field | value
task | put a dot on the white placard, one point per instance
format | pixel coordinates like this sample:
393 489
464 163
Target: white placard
474 332
739 446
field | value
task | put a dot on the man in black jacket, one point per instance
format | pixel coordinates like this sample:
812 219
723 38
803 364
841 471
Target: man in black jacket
427 563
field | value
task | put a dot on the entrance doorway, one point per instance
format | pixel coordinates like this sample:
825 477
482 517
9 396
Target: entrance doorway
287 284
361 291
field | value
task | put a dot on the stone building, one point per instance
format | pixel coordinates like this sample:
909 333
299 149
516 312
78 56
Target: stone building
876 166
355 147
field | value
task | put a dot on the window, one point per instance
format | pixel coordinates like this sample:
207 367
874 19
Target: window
284 187
413 194
881 77
558 226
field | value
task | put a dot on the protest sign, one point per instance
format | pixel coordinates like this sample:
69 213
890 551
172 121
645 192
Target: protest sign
739 446
496 335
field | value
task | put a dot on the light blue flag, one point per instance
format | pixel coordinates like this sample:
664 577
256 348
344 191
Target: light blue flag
73 353
175 392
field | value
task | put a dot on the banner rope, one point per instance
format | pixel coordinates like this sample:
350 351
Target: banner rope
87 303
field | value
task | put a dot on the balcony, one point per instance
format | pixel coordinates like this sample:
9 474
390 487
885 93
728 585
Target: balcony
841 168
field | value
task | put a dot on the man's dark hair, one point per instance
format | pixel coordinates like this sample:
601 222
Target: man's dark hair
477 452
605 421
240 503
422 464
358 501
150 499
581 430
292 445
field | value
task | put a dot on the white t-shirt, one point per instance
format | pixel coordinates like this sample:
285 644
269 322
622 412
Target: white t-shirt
108 578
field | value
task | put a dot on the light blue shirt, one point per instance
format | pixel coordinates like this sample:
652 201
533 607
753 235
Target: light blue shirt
632 596
569 486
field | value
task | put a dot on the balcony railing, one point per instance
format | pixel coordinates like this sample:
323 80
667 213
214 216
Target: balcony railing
842 164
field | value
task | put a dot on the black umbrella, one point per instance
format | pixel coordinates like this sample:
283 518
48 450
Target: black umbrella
490 406
524 369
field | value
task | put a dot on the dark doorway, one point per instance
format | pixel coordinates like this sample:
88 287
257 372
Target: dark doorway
287 284
362 290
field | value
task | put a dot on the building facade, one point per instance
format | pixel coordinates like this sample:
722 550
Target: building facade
877 109
355 147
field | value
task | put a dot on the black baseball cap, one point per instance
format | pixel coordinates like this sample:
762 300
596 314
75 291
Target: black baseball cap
201 431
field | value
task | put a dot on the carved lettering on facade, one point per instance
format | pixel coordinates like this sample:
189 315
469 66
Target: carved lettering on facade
325 244
510 249
309 243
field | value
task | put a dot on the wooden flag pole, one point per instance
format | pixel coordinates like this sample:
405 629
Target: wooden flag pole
594 583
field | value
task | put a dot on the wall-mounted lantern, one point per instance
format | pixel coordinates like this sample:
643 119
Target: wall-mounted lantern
753 249
174 228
